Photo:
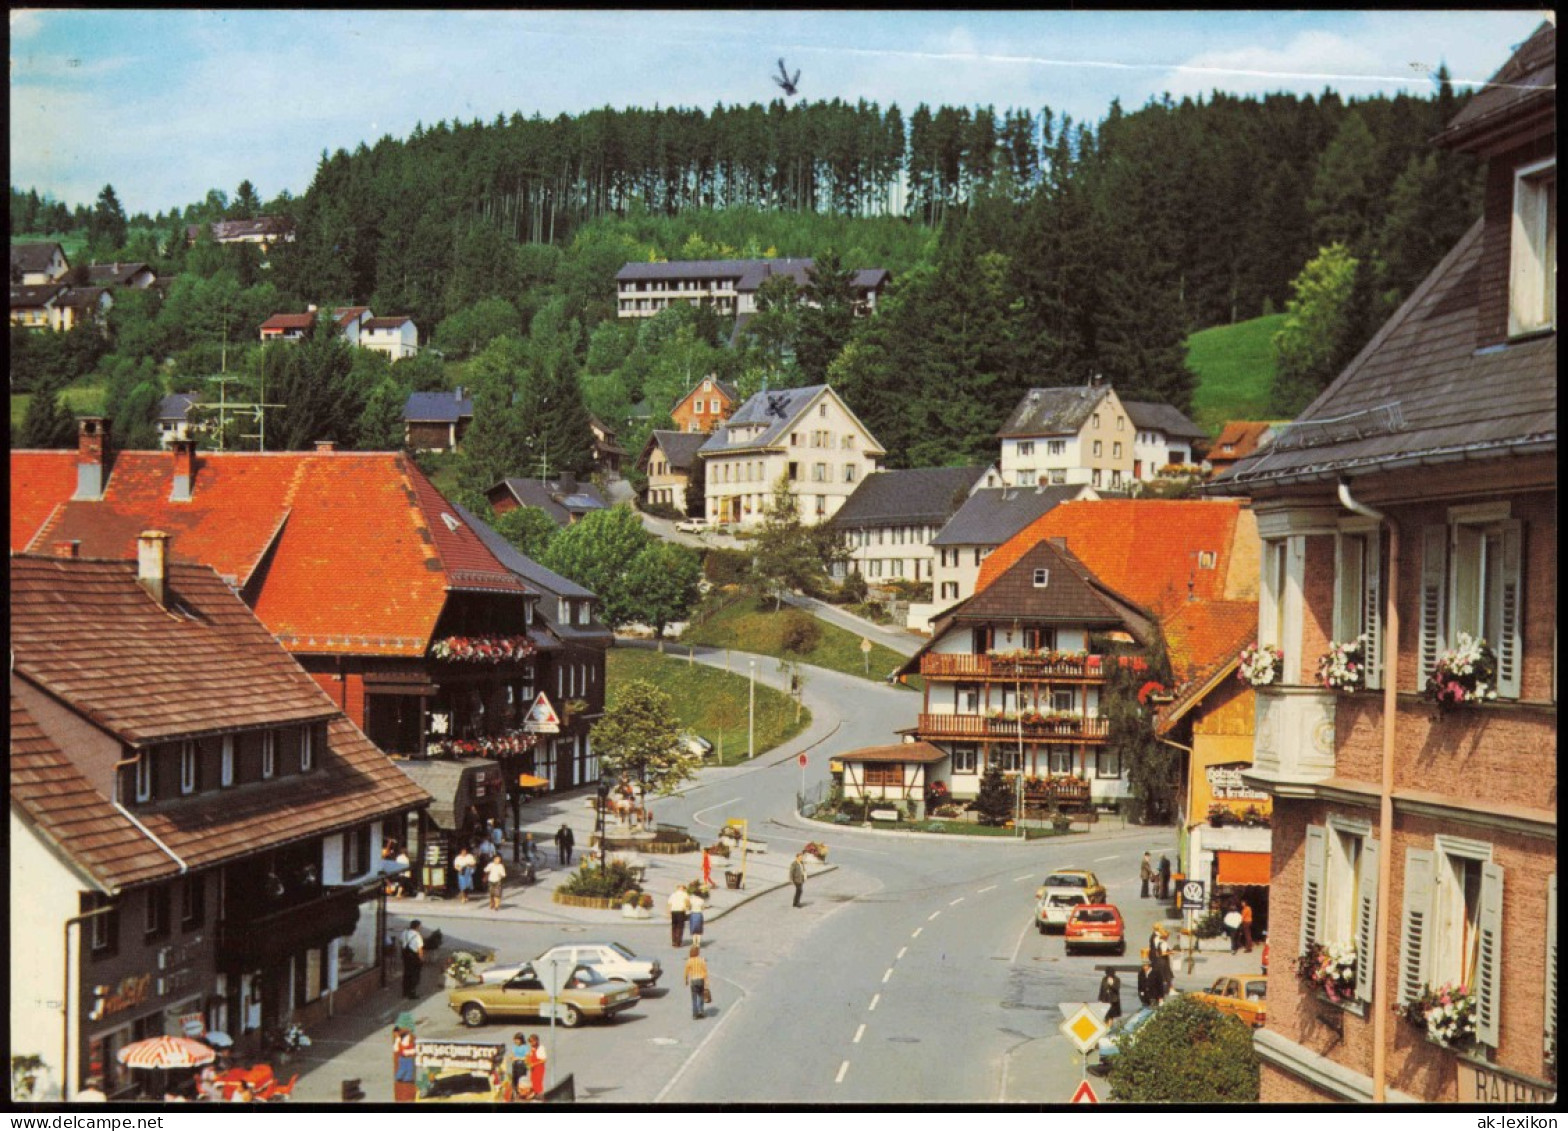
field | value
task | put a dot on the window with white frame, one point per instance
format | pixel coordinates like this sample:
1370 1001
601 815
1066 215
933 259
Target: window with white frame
1107 762
1121 423
190 764
307 749
849 473
1452 924
1062 701
1099 449
226 762
1096 420
1271 596
1007 758
949 590
1116 450
1056 447
1060 759
1026 447
1471 582
1358 571
965 759
1532 289
145 776
1339 892
1094 477
1042 578
1058 478
269 754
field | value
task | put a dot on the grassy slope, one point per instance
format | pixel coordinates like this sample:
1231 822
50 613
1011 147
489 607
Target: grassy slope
711 703
84 399
748 626
1235 368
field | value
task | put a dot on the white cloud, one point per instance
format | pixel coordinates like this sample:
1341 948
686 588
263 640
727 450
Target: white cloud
26 23
1312 60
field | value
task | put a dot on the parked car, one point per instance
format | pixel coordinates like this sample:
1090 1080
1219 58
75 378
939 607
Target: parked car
1243 997
610 958
1055 906
697 746
1096 925
1074 879
692 525
1123 1026
584 993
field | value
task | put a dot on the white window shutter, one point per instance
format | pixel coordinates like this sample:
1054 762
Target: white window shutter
1489 962
1550 1022
1413 924
1347 591
1509 643
1268 597
1366 918
1312 885
1372 614
1434 564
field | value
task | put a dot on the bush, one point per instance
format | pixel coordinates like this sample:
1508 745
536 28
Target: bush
1188 1053
799 633
610 882
852 590
727 567
1211 926
662 510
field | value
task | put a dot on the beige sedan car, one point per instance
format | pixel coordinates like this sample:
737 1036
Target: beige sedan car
583 993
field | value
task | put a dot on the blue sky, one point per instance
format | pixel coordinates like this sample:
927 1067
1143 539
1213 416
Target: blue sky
165 105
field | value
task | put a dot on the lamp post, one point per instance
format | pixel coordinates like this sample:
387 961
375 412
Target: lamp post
604 794
751 714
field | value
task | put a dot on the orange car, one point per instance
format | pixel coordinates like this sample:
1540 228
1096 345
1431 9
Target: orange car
1244 998
1095 924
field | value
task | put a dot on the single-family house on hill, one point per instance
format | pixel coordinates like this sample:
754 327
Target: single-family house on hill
195 823
37 264
892 516
607 451
668 459
1411 512
986 519
394 335
349 321
437 422
263 231
563 498
728 285
706 406
55 306
1075 434
174 418
1163 437
806 436
1239 439
137 276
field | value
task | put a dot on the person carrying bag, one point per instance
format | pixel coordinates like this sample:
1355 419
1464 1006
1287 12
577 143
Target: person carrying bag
697 979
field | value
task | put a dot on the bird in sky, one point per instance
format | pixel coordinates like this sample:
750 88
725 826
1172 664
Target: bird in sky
790 84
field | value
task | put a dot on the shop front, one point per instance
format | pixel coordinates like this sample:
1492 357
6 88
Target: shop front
466 793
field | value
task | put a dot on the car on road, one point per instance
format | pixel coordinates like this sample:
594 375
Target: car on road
1055 906
523 993
1123 1026
1242 997
697 746
692 525
1095 925
611 959
1078 879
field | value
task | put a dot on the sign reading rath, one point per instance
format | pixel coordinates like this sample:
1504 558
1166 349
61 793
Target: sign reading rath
1226 785
542 718
1489 1084
1084 1024
1085 1094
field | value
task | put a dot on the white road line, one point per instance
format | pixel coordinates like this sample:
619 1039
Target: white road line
1020 944
901 952
724 1015
872 1008
932 916
1025 876
843 1068
698 814
860 1032
888 975
1103 859
982 891
956 902
916 935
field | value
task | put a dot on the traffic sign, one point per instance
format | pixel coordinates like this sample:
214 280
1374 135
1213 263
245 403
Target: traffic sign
1084 1025
802 760
1085 1094
542 718
865 643
1192 893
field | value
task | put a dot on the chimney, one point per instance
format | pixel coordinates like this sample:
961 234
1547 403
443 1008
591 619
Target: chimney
1059 542
324 446
184 469
458 394
152 563
568 481
92 452
310 308
68 549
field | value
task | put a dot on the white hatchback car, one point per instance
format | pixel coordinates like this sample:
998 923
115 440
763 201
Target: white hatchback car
609 958
691 525
1055 907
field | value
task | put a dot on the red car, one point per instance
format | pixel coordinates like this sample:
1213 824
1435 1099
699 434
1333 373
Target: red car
1096 924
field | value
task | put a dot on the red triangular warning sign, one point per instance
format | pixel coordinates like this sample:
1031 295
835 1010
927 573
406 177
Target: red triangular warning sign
1085 1094
542 718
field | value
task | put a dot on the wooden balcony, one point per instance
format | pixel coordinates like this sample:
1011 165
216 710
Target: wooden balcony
1011 667
981 727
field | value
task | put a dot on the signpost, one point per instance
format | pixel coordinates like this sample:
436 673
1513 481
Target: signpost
1084 1024
801 759
865 650
542 718
1085 1094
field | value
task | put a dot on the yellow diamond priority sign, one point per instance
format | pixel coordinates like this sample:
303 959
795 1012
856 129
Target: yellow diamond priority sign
1083 1026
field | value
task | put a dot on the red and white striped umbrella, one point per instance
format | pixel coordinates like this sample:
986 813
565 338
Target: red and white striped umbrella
166 1052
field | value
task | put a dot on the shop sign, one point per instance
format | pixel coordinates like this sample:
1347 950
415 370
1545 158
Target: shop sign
1488 1084
1226 785
132 991
459 1072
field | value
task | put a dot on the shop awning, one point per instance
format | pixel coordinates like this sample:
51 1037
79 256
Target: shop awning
528 781
1242 868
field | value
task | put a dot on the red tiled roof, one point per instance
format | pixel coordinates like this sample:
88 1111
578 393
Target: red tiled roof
67 811
87 633
281 322
1205 635
40 482
1242 436
341 552
897 752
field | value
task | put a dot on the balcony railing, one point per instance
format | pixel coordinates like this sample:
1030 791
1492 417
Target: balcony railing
1010 666
1294 743
1074 729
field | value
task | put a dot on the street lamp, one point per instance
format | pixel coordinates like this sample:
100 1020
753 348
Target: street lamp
604 794
751 714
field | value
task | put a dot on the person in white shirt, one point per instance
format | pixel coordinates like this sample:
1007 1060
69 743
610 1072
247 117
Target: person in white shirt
413 950
495 874
679 905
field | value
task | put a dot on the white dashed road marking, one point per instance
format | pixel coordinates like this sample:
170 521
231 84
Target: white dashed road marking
903 950
860 1032
872 1008
932 916
1020 879
916 935
1103 859
982 891
956 902
888 975
843 1068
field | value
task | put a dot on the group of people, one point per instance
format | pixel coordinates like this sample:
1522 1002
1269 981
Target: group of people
1238 921
528 1064
1159 876
687 904
485 859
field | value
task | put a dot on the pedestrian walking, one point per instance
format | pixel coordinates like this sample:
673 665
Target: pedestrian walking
1111 995
496 834
465 863
535 1060
1145 874
697 980
413 950
528 847
1232 923
563 843
797 875
707 868
1246 925
679 905
1165 877
495 876
698 903
1148 984
1162 960
485 849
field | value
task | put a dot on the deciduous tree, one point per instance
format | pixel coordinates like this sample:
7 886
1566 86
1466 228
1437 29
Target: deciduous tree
663 584
640 735
1187 1053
